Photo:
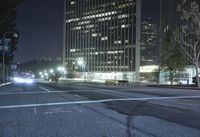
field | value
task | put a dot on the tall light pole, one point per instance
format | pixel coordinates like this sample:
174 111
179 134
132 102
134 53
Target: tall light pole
15 35
159 48
138 40
64 35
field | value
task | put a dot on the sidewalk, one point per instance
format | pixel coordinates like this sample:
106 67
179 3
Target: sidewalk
189 87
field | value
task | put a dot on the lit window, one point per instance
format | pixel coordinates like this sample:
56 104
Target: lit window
104 38
77 28
118 42
94 35
83 22
104 19
72 50
90 26
123 26
126 41
123 16
72 2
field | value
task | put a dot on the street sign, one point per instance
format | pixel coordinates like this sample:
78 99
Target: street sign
13 67
7 44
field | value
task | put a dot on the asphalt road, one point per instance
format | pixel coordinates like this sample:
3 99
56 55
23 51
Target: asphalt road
88 110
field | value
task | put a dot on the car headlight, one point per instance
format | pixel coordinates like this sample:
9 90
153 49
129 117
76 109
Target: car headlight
23 80
18 80
29 81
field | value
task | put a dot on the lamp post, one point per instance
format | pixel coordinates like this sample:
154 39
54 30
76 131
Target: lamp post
15 35
62 71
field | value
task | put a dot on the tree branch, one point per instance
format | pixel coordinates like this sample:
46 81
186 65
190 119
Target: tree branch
186 44
186 52
195 51
198 57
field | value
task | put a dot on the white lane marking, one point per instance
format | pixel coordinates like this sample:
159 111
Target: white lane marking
4 84
36 92
56 111
98 101
45 89
39 92
79 110
79 96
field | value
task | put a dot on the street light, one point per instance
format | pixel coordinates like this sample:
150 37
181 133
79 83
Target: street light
51 71
15 35
81 63
61 69
46 74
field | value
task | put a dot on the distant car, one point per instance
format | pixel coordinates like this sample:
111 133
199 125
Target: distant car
23 79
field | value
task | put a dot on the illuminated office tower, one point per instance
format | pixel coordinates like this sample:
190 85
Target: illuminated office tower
102 38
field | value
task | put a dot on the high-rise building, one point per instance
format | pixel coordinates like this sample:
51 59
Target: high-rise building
102 38
169 17
149 42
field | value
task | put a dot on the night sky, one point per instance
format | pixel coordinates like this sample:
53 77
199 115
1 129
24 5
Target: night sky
40 23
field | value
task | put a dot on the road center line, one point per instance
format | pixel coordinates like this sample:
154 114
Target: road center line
45 89
98 101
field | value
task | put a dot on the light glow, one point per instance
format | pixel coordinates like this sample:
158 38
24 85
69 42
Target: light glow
51 71
80 62
23 80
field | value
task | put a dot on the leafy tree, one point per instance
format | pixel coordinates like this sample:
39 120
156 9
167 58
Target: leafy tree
188 35
172 57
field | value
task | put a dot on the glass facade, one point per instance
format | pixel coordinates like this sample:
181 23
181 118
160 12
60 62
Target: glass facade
169 16
101 33
149 42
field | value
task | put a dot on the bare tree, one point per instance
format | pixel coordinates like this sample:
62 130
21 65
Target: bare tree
188 35
172 57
